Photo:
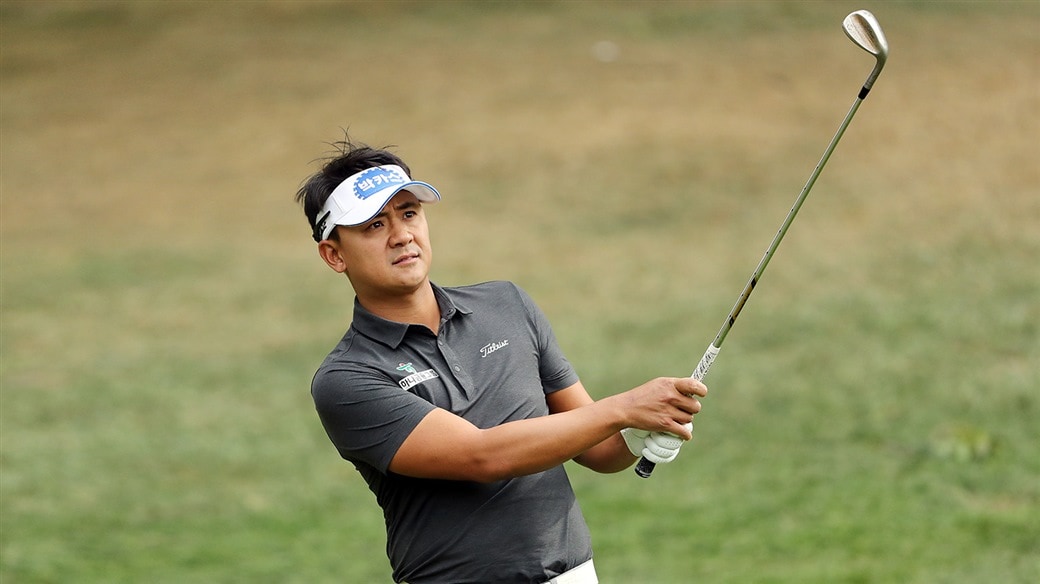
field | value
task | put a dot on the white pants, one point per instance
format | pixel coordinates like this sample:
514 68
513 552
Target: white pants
583 574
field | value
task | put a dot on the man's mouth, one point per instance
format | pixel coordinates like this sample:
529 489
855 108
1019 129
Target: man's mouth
406 258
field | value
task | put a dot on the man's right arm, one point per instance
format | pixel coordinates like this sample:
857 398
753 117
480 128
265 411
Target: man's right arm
446 446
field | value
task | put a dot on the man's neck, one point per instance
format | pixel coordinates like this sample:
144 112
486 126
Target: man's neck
418 307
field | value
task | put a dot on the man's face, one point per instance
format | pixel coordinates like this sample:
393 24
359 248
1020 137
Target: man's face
389 255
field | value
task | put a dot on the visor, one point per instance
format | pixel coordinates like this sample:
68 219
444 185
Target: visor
363 195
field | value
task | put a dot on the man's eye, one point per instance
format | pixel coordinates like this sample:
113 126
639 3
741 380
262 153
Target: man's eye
375 225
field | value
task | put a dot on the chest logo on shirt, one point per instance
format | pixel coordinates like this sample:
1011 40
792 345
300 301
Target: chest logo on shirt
492 347
416 377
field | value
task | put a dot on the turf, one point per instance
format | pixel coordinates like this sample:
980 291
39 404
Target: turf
872 416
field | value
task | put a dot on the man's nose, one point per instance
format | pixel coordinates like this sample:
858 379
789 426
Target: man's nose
399 234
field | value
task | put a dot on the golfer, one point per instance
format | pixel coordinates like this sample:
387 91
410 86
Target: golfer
456 404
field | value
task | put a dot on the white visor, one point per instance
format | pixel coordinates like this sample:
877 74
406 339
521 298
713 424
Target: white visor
363 195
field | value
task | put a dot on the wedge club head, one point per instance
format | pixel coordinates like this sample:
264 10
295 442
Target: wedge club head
864 30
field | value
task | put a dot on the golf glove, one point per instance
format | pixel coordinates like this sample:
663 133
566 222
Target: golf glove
657 447
635 439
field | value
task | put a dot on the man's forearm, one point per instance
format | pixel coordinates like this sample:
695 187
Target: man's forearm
590 435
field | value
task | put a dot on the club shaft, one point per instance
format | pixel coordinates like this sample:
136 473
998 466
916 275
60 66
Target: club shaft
757 275
645 468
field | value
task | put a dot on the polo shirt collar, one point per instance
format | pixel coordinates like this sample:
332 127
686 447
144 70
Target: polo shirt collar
392 333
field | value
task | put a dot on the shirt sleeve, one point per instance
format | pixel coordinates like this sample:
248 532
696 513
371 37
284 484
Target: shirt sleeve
365 414
554 369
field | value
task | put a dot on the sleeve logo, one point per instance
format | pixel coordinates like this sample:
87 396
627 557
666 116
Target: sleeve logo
416 377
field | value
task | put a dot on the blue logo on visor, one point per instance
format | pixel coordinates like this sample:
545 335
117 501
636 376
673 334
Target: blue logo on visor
374 180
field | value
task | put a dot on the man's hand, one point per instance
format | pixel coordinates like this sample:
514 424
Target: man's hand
665 404
657 447
662 447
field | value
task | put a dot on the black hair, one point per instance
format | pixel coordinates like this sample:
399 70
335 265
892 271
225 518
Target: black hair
349 158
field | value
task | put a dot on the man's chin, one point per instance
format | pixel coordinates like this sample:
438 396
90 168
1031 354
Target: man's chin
408 286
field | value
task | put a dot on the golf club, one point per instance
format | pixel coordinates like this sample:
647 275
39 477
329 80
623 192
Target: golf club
864 30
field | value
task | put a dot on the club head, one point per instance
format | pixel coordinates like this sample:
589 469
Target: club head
864 30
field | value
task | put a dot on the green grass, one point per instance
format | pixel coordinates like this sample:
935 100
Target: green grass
871 417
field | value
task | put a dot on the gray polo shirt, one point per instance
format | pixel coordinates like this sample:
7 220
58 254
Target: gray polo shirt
494 360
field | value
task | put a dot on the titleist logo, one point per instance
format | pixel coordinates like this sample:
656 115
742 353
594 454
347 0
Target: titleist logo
492 347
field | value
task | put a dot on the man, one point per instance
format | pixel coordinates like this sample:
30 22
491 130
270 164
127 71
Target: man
457 405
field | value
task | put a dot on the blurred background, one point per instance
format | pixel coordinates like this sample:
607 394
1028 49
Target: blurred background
872 416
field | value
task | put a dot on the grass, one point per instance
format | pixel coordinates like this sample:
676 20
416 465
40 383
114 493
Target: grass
872 416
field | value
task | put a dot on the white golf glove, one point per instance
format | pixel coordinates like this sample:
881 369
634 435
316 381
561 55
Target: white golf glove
657 447
635 439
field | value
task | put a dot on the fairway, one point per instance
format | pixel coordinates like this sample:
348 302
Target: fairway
872 417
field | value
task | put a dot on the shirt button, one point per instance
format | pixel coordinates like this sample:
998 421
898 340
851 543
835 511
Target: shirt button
457 368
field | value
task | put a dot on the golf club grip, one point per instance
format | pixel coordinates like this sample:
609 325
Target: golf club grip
645 468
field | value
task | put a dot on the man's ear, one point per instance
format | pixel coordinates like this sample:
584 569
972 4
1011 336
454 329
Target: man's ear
330 252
